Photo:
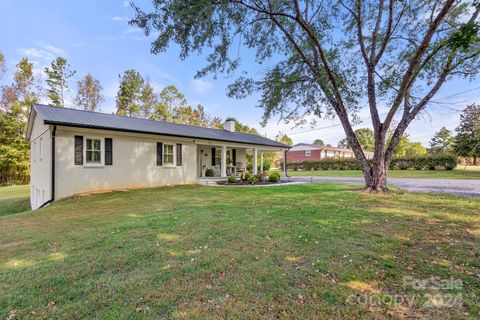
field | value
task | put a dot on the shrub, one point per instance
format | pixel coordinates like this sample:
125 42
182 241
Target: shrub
274 177
427 162
252 180
232 179
245 176
209 173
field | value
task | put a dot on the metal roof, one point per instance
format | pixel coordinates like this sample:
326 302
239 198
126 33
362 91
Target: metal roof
97 120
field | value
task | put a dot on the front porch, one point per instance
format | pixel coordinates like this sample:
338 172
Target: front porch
224 160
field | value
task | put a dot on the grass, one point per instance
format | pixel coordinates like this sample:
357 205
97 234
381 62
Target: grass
471 172
14 199
186 252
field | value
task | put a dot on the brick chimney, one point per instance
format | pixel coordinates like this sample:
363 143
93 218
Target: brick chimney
229 124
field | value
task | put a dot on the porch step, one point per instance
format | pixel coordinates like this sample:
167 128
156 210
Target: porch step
209 181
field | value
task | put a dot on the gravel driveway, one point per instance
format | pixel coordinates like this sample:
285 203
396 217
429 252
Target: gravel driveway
463 187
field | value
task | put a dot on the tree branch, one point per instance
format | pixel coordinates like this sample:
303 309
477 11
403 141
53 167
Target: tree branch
407 78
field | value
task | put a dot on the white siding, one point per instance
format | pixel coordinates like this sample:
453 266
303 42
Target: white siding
40 163
38 128
134 164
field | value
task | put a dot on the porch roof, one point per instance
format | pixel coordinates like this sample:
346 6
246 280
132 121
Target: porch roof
97 120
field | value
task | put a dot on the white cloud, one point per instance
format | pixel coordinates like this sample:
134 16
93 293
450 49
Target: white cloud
45 52
118 18
57 51
200 86
36 53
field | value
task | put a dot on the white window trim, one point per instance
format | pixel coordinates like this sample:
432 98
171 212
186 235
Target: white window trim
102 152
34 149
308 153
174 150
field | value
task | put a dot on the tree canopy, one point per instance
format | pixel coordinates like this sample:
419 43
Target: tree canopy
467 141
89 94
442 141
319 142
58 75
328 58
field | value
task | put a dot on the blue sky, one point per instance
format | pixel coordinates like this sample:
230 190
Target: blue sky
95 37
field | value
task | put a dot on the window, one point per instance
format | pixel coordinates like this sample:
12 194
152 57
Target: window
93 151
308 153
168 154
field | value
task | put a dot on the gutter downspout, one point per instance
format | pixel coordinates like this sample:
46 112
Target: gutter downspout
54 131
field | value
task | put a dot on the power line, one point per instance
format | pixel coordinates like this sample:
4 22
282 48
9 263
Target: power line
431 101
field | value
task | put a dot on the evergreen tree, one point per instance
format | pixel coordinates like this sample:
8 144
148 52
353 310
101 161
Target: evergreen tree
442 141
89 93
57 80
467 141
129 92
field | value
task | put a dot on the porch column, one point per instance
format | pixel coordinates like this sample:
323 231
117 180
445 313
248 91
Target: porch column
223 165
255 155
261 162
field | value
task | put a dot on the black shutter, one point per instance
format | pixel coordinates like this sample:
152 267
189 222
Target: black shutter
108 152
234 157
179 154
78 150
159 153
213 157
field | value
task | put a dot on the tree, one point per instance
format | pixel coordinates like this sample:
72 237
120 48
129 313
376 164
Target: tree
57 80
3 67
283 138
319 142
366 138
89 93
148 99
23 92
129 92
16 101
216 123
343 143
169 98
320 52
190 116
467 141
442 141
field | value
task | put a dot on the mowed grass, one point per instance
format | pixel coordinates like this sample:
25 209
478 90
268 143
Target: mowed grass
470 172
187 252
14 199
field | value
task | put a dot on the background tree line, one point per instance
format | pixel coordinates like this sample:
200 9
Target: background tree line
466 142
136 97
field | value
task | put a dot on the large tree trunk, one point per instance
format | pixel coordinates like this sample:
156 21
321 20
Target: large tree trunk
376 178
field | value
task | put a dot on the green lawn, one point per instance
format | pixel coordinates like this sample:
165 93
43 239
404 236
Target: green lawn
458 173
14 199
186 252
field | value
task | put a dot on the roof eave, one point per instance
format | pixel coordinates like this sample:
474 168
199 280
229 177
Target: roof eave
74 125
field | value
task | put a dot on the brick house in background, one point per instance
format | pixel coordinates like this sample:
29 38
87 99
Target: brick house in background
313 152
